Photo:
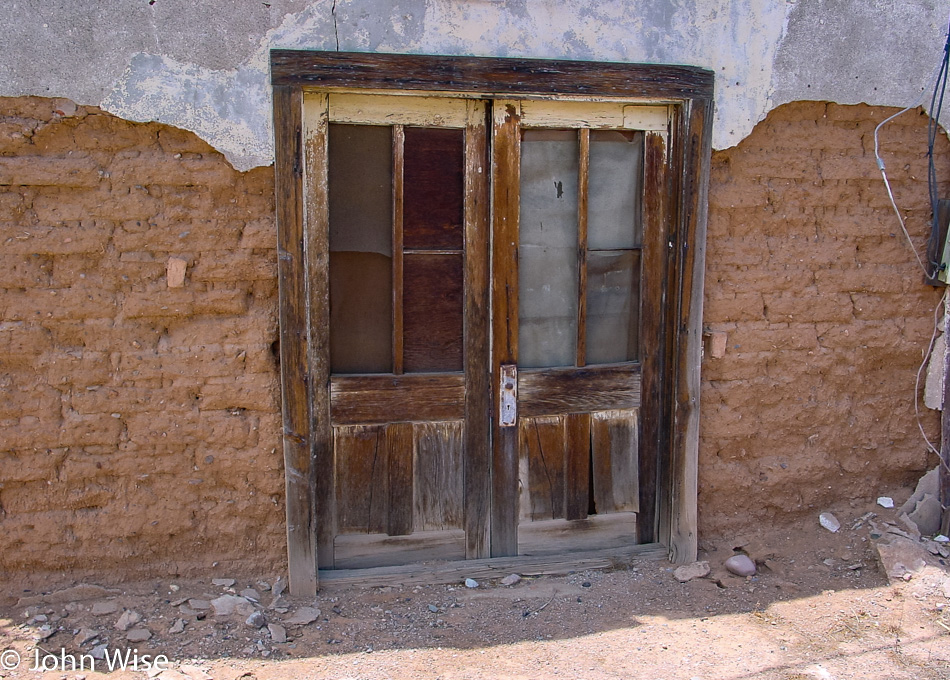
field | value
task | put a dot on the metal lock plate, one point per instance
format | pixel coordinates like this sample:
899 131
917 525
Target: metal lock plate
508 396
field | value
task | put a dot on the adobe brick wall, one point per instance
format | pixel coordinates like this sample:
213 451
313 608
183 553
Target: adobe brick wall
140 426
826 314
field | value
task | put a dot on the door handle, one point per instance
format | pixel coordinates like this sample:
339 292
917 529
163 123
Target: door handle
508 396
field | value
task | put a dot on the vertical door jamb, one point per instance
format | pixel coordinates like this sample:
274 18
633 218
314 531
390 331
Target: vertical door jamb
506 167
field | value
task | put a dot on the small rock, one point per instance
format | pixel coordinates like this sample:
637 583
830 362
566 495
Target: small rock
231 604
585 584
200 605
740 565
263 585
511 579
138 635
223 582
433 609
85 635
303 616
128 619
177 627
174 588
471 583
39 618
256 620
277 633
940 538
279 586
45 632
178 602
277 603
106 607
926 515
251 594
829 522
99 651
688 572
885 502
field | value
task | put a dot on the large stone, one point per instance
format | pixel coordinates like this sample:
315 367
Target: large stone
277 632
688 572
740 565
231 604
926 515
902 557
303 616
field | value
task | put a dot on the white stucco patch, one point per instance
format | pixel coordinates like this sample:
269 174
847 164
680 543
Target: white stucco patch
763 52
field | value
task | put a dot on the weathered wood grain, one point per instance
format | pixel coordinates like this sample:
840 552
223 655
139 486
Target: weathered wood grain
401 456
387 398
542 446
593 388
438 476
577 466
478 449
653 335
561 536
364 552
615 444
583 183
695 135
506 156
434 188
399 140
298 465
503 77
362 479
316 248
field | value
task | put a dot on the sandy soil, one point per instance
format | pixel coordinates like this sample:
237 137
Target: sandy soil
819 607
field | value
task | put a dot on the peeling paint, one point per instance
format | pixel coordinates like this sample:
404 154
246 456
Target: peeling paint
764 52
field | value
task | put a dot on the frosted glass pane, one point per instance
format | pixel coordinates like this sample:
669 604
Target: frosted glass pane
360 197
613 306
547 254
613 212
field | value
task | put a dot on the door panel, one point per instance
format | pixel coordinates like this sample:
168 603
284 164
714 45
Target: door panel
403 331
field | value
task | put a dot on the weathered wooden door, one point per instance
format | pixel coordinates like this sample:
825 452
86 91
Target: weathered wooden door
578 269
405 235
426 457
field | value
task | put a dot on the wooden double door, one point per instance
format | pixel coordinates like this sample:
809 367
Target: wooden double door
490 279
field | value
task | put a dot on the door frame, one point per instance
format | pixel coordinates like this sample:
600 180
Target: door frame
301 199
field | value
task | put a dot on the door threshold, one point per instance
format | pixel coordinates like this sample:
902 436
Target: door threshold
442 573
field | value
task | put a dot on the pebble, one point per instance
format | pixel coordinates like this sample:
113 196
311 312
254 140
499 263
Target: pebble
177 627
688 572
138 635
256 620
303 616
223 582
433 609
471 583
511 579
128 619
740 565
277 633
885 501
829 522
106 607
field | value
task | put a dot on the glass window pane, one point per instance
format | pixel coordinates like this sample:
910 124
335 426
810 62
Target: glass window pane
613 213
432 312
613 306
547 254
432 188
360 197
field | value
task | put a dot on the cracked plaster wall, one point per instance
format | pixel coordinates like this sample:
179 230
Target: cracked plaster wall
204 66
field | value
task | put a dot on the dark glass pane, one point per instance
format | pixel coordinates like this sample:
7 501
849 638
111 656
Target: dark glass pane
613 306
547 253
360 195
432 312
613 207
433 191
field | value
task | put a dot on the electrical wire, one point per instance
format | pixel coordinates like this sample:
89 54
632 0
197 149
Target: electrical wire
927 355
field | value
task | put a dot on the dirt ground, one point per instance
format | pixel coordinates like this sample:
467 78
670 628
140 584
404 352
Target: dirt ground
820 606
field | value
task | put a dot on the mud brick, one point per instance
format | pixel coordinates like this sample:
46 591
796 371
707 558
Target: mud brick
36 170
